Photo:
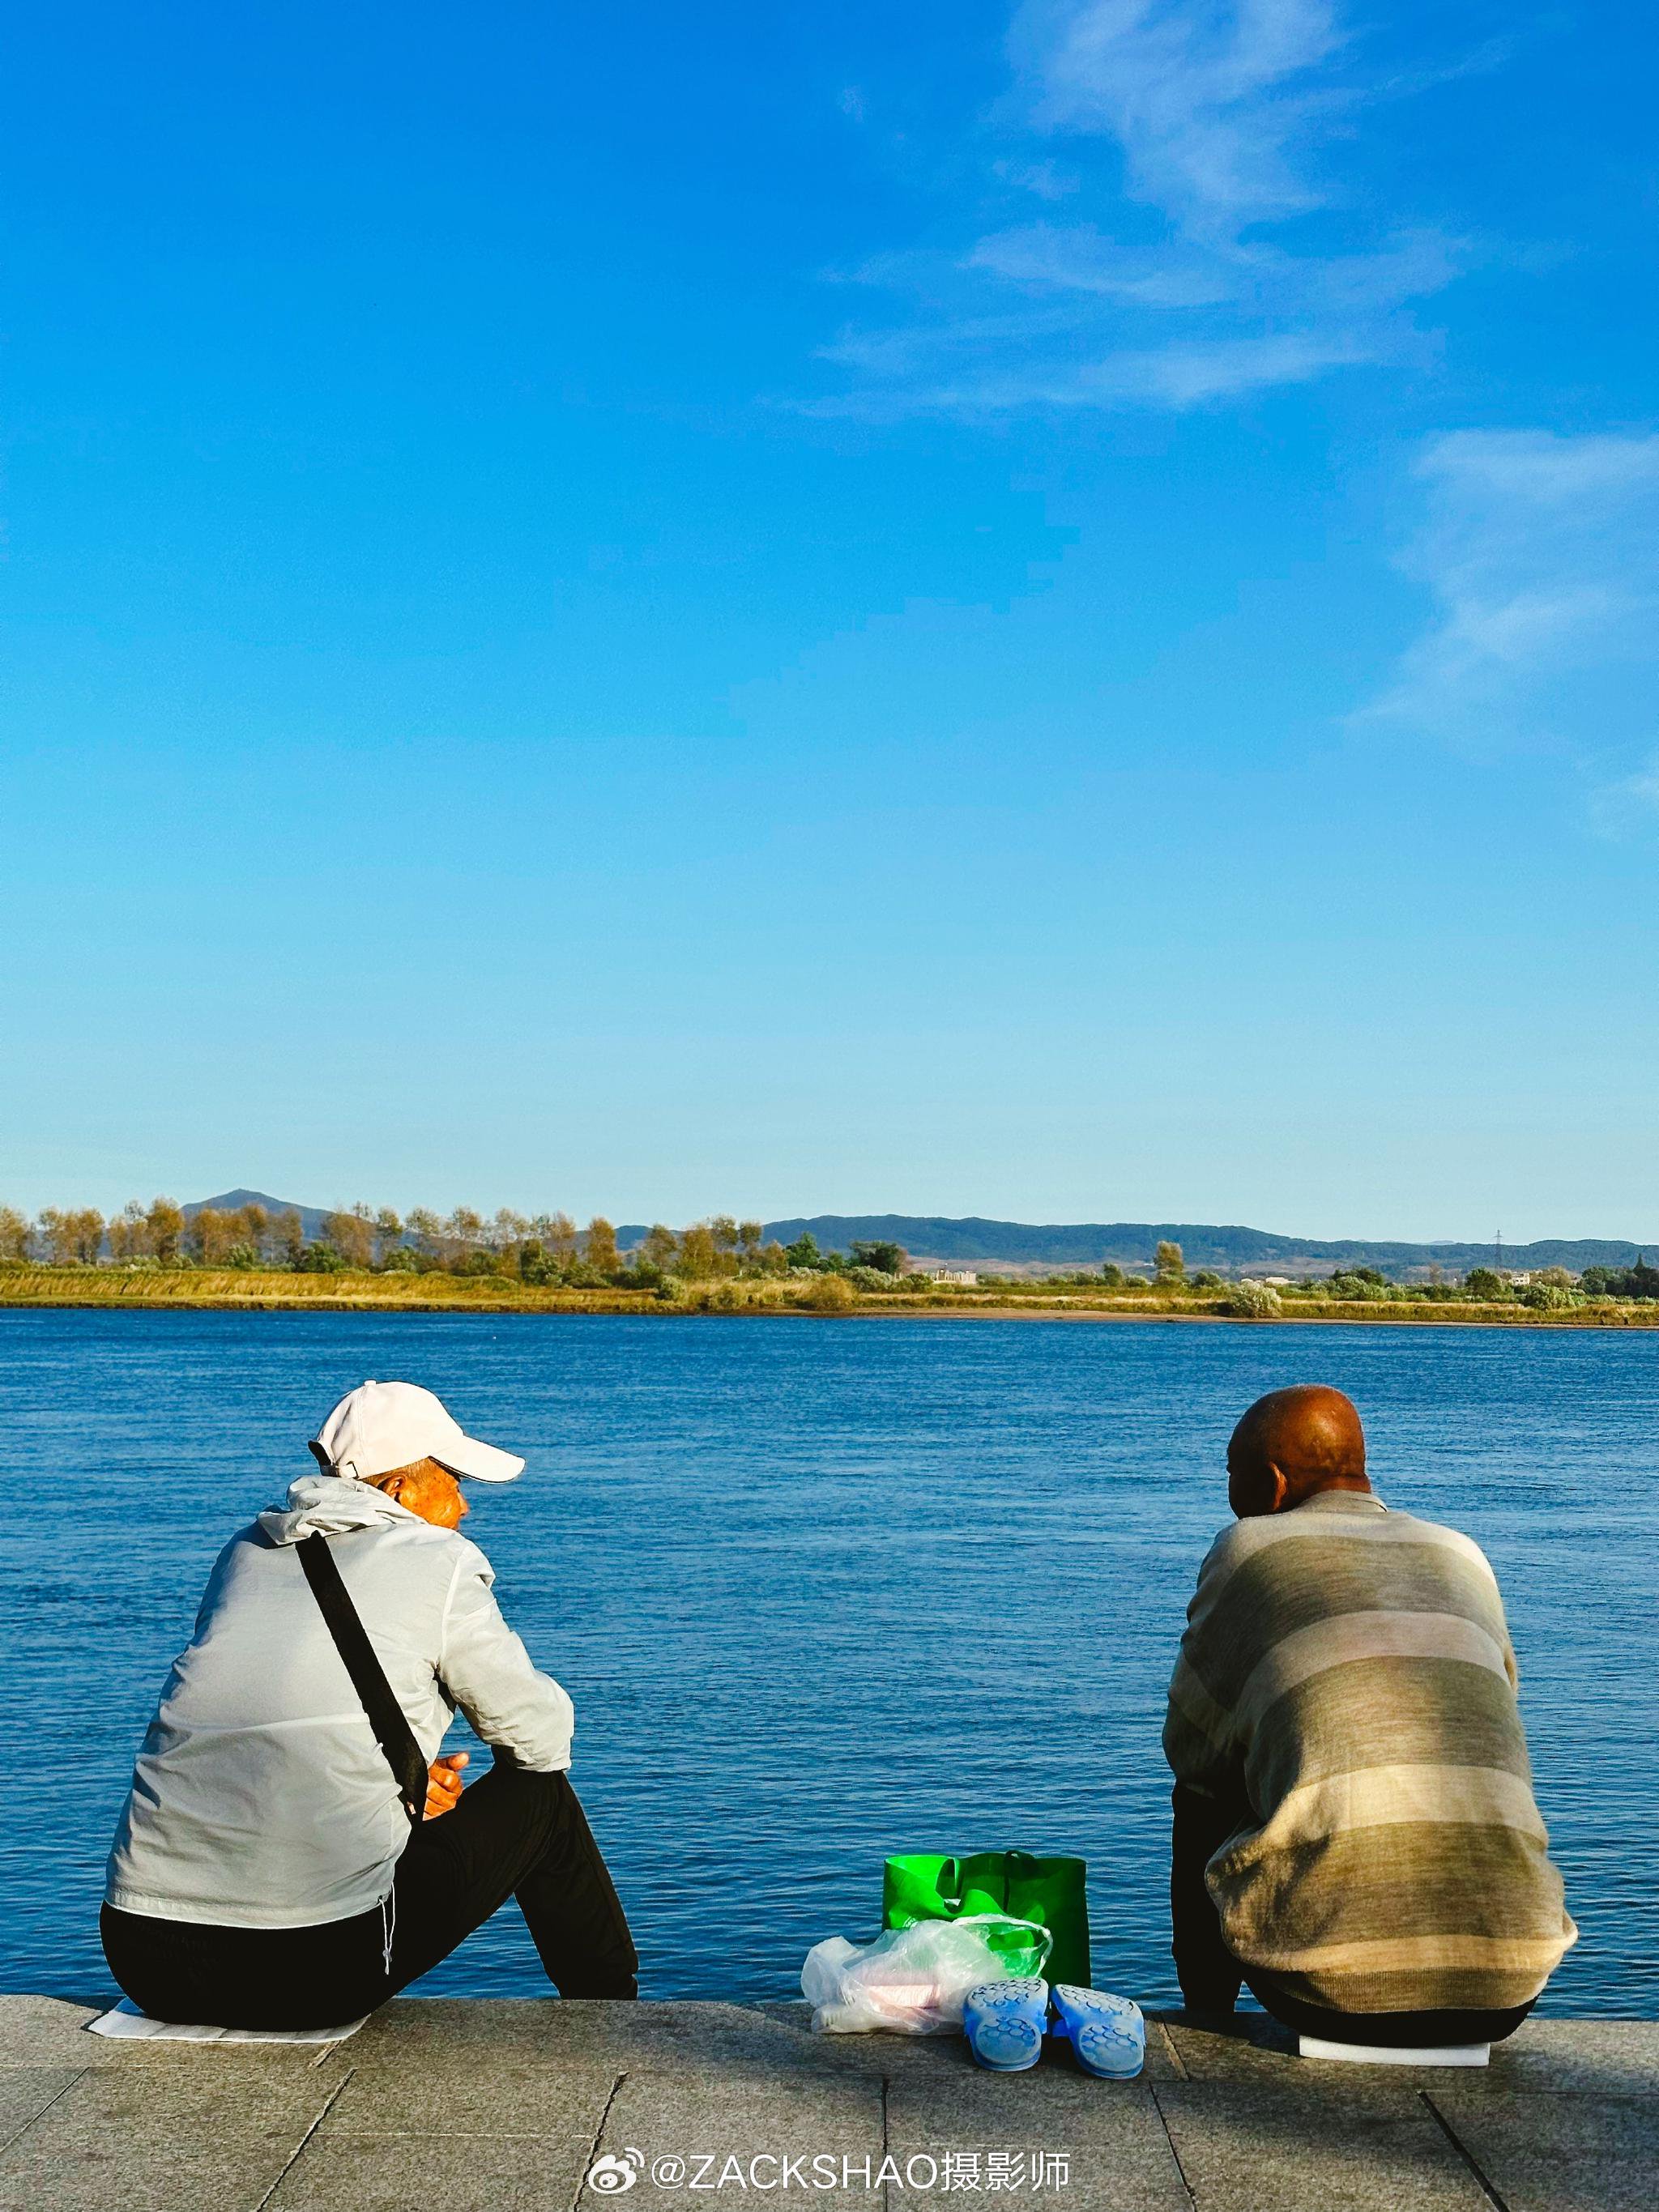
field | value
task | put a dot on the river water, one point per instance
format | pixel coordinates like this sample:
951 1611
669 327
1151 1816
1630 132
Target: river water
823 1589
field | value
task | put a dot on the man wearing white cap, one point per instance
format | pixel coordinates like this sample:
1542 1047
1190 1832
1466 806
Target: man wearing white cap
294 1850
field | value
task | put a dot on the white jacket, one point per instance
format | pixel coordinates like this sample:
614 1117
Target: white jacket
260 1798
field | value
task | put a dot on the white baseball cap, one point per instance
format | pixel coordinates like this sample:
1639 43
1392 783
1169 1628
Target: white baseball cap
381 1425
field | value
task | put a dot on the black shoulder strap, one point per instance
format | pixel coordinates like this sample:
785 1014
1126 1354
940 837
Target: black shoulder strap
386 1715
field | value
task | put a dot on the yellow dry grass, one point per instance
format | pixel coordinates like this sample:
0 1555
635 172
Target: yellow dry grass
273 1291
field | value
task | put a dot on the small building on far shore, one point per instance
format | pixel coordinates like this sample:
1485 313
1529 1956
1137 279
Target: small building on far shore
963 1277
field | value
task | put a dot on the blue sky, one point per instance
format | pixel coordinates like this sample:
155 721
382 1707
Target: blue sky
1046 613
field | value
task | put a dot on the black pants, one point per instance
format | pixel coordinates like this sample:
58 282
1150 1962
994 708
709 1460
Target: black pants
1210 1975
513 1834
1388 2031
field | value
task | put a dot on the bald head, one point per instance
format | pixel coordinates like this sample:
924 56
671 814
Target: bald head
425 1489
1291 1445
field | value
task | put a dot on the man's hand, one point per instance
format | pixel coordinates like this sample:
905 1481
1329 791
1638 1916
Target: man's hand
443 1784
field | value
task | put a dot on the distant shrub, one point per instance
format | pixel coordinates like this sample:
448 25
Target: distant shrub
872 1278
319 1258
242 1257
880 1253
1253 1302
829 1294
1486 1283
1547 1297
1641 1281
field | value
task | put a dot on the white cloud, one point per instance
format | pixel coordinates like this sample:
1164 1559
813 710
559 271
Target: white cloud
1541 553
1258 280
1163 376
1210 103
1221 110
1188 375
1078 258
1629 801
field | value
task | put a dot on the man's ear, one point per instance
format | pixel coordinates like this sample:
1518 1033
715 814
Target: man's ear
1280 1488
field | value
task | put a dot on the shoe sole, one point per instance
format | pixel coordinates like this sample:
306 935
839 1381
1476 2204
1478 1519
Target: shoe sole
996 2011
1107 2035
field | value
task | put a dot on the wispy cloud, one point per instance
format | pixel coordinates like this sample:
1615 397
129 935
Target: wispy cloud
1212 105
1221 114
1542 555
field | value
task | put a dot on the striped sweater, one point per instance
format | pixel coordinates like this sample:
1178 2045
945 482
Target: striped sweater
1346 1694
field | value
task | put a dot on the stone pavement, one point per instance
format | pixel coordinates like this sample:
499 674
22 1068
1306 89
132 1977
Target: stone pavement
505 2106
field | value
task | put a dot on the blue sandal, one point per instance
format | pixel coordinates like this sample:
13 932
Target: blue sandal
1109 2034
1004 2022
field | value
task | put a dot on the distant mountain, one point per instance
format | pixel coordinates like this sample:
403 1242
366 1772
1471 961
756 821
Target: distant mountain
232 1201
1204 1245
1041 1245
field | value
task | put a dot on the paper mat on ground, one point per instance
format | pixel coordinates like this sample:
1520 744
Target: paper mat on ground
1373 2054
127 2024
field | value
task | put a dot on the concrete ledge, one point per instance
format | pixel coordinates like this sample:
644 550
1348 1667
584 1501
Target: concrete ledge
504 2107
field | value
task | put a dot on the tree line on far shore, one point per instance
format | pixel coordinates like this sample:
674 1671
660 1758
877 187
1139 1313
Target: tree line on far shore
539 1249
1544 1290
550 1248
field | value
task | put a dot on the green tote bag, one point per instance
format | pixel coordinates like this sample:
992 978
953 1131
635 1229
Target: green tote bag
1053 1891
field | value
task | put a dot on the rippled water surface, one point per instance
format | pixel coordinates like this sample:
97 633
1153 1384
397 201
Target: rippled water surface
826 1590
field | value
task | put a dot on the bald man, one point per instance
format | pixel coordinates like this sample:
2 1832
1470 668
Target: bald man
1355 1834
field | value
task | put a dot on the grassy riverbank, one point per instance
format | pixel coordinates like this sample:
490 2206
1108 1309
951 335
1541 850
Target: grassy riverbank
243 1290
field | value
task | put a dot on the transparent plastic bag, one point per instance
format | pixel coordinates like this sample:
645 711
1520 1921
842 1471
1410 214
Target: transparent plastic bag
911 1981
